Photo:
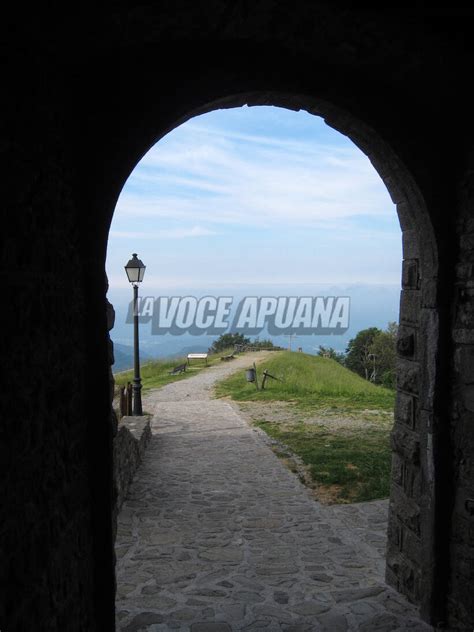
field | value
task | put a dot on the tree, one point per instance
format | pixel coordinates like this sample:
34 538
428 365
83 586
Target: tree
358 353
262 344
372 354
226 341
329 352
383 349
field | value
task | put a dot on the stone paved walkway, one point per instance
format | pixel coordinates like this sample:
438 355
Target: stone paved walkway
217 535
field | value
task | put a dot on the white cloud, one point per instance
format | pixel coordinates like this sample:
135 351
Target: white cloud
298 209
170 233
254 182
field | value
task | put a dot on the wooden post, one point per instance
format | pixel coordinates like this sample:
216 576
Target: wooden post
129 399
256 376
123 405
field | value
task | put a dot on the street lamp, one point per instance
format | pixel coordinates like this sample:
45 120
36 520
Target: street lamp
135 272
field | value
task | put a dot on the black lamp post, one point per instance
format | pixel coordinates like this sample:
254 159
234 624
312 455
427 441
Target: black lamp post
135 272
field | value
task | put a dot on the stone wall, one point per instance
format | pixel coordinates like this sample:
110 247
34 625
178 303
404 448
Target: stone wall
133 436
461 545
47 547
404 550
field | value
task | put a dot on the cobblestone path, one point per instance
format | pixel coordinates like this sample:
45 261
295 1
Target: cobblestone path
217 535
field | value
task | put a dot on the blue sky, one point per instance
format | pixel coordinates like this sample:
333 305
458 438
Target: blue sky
254 196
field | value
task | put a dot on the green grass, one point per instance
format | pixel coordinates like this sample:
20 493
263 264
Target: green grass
156 373
349 465
347 461
310 381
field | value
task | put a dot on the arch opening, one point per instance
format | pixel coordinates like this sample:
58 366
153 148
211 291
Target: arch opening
416 343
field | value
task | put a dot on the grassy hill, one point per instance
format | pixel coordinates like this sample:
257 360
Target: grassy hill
309 381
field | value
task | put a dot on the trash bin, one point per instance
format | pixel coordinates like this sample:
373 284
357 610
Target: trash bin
250 374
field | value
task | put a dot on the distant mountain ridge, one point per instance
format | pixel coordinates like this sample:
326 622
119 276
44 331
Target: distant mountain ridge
371 306
190 349
123 355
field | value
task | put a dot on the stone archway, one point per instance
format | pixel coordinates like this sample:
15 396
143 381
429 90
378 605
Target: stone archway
86 96
413 559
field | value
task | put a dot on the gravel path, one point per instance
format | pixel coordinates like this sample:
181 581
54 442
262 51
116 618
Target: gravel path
217 535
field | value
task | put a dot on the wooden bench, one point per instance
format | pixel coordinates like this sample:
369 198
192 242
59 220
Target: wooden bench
181 368
197 356
226 358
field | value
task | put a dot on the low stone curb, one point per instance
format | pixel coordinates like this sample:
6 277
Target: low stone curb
133 436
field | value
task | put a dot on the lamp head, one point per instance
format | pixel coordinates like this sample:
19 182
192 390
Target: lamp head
135 270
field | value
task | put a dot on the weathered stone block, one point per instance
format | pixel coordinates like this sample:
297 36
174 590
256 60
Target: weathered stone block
408 376
463 558
394 532
410 274
406 509
411 546
463 336
468 397
412 481
429 329
397 469
465 309
406 443
466 465
410 304
464 271
406 341
463 526
429 293
405 214
468 256
410 240
405 409
464 363
391 578
408 577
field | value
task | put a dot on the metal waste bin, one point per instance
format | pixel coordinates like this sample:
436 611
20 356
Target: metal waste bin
250 374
